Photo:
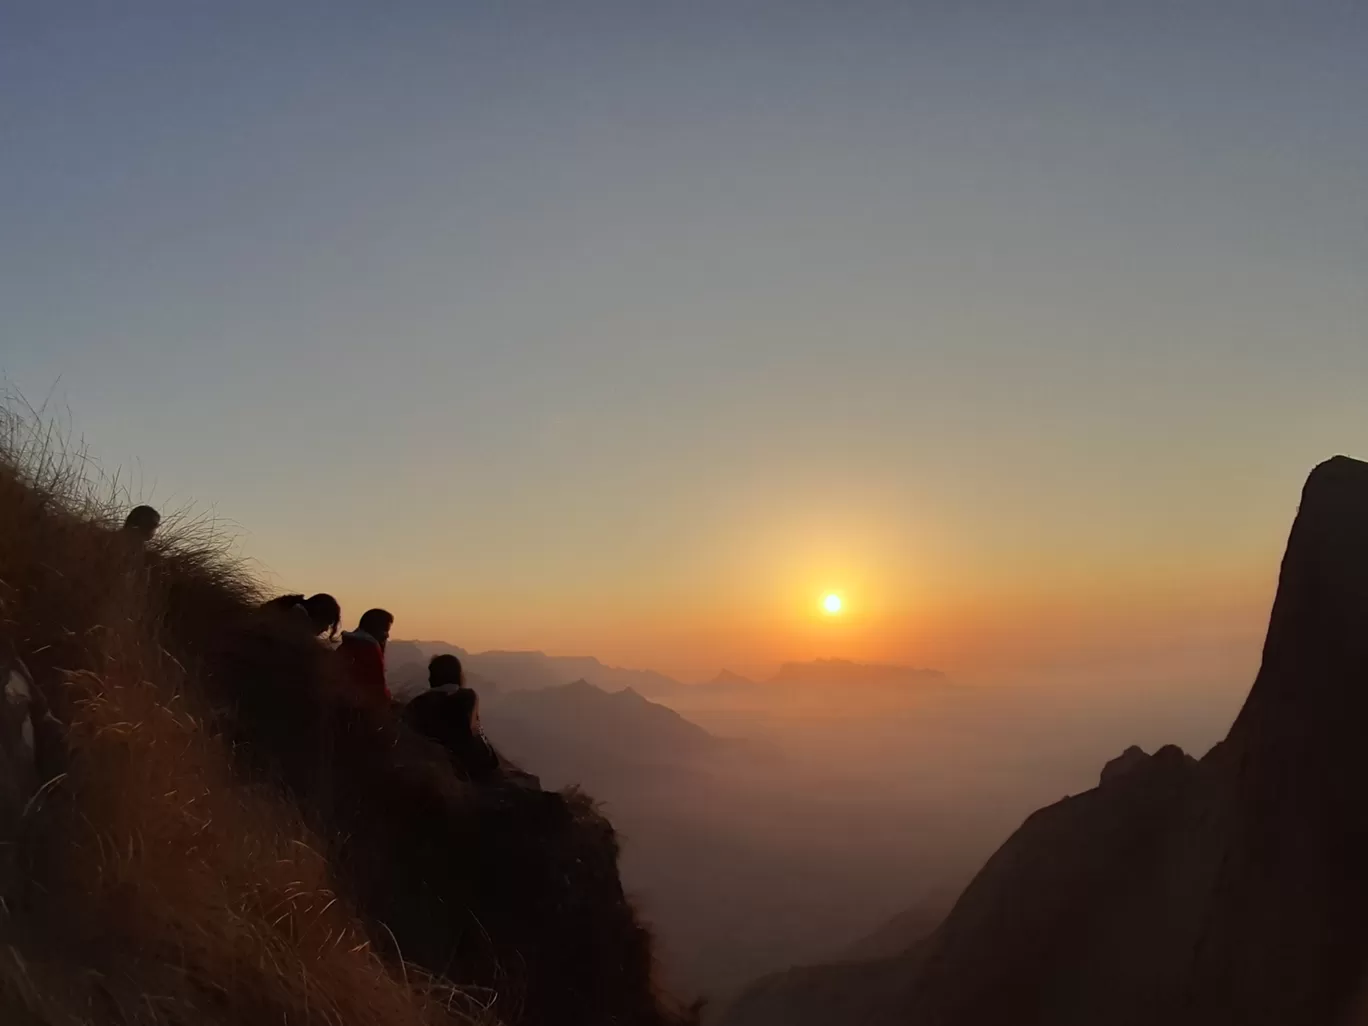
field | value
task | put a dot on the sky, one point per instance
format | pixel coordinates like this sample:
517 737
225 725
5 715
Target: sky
633 329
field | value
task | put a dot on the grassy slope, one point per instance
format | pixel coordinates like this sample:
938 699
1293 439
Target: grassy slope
224 838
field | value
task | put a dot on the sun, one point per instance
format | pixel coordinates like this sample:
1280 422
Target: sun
832 604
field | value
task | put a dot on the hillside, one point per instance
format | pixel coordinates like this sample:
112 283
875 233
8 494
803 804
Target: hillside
1226 891
202 825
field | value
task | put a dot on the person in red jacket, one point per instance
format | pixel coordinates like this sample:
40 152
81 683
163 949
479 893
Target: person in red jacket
363 653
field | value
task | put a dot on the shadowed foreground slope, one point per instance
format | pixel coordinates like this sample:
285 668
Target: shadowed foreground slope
1233 890
197 827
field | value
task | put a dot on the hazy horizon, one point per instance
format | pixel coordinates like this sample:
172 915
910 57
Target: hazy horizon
625 330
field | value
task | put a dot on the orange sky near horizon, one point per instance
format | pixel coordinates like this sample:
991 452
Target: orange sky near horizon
977 641
932 605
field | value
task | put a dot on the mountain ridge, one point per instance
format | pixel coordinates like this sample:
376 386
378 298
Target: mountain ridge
520 670
584 720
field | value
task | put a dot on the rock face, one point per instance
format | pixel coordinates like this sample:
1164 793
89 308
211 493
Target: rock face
1285 914
1131 759
1233 890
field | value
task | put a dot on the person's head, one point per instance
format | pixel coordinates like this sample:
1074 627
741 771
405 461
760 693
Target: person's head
468 707
324 613
445 669
142 522
377 623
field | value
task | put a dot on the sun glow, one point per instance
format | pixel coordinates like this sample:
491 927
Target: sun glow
832 604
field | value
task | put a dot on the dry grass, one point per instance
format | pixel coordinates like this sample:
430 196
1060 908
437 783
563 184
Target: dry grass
155 884
184 895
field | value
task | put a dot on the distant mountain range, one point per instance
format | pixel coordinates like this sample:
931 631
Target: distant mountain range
524 671
578 723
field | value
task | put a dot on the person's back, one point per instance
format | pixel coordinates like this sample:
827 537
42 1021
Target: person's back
325 615
430 713
448 713
434 715
363 653
474 756
288 608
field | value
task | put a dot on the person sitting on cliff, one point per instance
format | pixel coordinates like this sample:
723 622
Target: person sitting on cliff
446 674
449 713
141 524
363 653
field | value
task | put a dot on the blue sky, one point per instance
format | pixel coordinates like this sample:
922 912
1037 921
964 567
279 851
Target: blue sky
631 327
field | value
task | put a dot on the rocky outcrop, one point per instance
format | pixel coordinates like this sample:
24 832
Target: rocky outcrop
1132 758
1228 891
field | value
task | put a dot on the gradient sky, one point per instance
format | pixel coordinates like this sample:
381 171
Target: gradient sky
631 328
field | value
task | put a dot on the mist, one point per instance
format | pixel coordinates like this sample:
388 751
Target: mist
820 806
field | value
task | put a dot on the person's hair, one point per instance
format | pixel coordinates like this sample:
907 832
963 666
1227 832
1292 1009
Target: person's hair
375 620
143 519
445 669
468 703
324 612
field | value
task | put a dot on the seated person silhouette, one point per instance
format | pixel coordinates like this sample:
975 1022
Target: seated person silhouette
449 713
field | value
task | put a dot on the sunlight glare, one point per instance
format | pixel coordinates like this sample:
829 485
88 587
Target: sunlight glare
832 604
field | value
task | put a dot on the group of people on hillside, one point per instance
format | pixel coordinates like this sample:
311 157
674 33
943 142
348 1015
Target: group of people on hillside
448 713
